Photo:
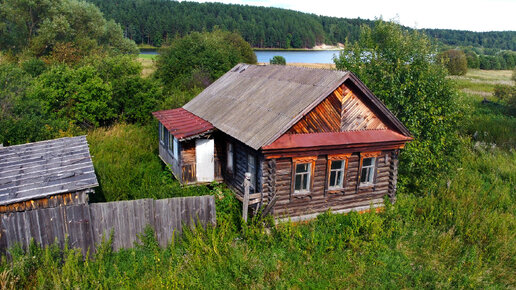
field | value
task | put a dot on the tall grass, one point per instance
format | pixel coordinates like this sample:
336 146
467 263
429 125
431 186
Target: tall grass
462 234
127 165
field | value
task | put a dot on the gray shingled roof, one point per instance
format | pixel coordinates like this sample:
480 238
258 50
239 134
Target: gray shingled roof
40 169
256 104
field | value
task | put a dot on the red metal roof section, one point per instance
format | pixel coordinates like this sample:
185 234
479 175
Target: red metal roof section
182 124
348 138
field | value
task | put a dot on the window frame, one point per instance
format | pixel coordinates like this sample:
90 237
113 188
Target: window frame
303 160
176 148
170 144
161 133
252 170
230 162
338 157
373 166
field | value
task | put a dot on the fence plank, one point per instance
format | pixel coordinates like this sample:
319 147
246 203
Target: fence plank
85 224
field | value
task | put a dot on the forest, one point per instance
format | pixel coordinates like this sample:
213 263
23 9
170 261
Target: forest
66 70
153 22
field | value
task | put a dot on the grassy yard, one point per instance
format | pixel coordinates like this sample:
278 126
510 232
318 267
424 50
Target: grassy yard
461 234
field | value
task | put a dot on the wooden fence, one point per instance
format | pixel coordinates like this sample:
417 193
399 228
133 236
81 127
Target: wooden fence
85 224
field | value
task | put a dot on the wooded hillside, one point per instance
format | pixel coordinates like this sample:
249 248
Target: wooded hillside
152 22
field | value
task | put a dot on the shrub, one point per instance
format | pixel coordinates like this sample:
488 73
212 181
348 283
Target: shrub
455 61
278 59
34 66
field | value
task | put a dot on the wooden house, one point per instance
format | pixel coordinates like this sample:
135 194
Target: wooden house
46 174
313 139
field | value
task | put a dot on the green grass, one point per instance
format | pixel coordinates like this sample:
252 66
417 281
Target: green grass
482 82
462 234
127 165
147 56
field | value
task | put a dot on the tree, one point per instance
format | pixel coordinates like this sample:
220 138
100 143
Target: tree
399 67
278 59
198 59
53 27
455 61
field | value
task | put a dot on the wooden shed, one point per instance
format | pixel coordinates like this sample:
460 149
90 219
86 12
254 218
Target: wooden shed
46 174
313 139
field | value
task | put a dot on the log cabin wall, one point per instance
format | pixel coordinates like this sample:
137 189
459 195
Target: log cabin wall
277 176
235 178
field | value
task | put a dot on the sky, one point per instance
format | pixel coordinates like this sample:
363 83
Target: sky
474 15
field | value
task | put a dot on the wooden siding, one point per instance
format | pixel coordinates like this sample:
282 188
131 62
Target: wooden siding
235 179
188 162
342 110
323 118
74 198
320 199
86 224
174 164
355 114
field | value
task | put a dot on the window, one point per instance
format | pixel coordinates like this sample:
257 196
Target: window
337 166
367 173
176 149
251 168
302 177
170 145
229 159
302 173
161 133
337 174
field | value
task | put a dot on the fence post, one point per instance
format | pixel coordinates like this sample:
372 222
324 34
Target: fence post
245 205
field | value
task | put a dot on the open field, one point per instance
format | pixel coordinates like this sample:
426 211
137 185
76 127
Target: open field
482 82
460 234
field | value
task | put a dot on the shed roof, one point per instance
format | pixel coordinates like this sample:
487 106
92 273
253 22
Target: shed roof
256 104
40 169
347 138
183 124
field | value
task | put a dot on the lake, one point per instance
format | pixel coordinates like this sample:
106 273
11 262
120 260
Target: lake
303 56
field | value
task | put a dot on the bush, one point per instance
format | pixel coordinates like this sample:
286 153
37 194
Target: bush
278 59
455 61
34 66
79 95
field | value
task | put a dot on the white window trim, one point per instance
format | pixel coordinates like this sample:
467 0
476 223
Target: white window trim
161 134
252 169
170 144
371 171
176 148
308 174
342 169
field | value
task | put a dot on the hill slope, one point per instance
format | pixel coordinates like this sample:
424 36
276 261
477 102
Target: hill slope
153 21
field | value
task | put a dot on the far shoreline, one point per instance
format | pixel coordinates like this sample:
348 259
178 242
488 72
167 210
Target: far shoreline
320 47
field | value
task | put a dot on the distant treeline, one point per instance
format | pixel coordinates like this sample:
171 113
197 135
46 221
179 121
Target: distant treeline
505 40
153 22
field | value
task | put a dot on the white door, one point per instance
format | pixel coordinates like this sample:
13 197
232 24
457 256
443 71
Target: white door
204 151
